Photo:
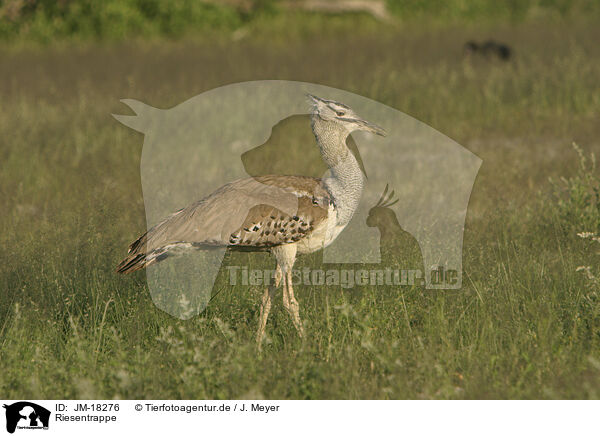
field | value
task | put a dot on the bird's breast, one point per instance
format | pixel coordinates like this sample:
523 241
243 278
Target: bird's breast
323 234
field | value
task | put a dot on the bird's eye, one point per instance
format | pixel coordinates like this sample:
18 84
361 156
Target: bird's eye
340 113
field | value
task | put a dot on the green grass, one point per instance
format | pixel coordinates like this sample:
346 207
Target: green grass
46 21
525 324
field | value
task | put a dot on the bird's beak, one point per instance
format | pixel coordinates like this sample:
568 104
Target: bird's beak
374 128
369 127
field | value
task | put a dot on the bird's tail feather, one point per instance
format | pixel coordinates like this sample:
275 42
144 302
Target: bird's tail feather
137 261
140 258
132 263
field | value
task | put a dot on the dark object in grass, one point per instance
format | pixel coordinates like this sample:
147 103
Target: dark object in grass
488 50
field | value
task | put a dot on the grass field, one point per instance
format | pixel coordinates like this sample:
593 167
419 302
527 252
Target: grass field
524 325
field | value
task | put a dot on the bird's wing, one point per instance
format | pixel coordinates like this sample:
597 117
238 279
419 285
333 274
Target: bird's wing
268 225
254 212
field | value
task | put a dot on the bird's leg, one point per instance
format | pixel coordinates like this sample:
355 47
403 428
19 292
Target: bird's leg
265 306
290 303
286 256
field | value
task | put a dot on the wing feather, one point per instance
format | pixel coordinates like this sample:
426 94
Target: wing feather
258 212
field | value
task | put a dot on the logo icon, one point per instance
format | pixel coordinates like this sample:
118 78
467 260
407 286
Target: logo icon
26 415
253 131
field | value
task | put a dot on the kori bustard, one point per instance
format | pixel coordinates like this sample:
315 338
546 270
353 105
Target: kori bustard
325 207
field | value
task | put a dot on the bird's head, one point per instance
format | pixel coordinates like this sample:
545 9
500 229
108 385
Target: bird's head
339 113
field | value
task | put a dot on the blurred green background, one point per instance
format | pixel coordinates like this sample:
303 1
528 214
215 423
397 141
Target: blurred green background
47 20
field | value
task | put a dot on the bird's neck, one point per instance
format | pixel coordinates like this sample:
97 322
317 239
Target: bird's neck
346 181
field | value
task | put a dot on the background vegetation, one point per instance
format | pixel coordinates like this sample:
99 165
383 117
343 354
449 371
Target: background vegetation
47 20
526 323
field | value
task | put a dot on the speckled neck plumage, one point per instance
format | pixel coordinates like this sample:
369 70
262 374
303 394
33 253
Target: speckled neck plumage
345 182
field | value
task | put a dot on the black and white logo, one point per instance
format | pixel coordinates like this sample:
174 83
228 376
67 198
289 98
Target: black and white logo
26 415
